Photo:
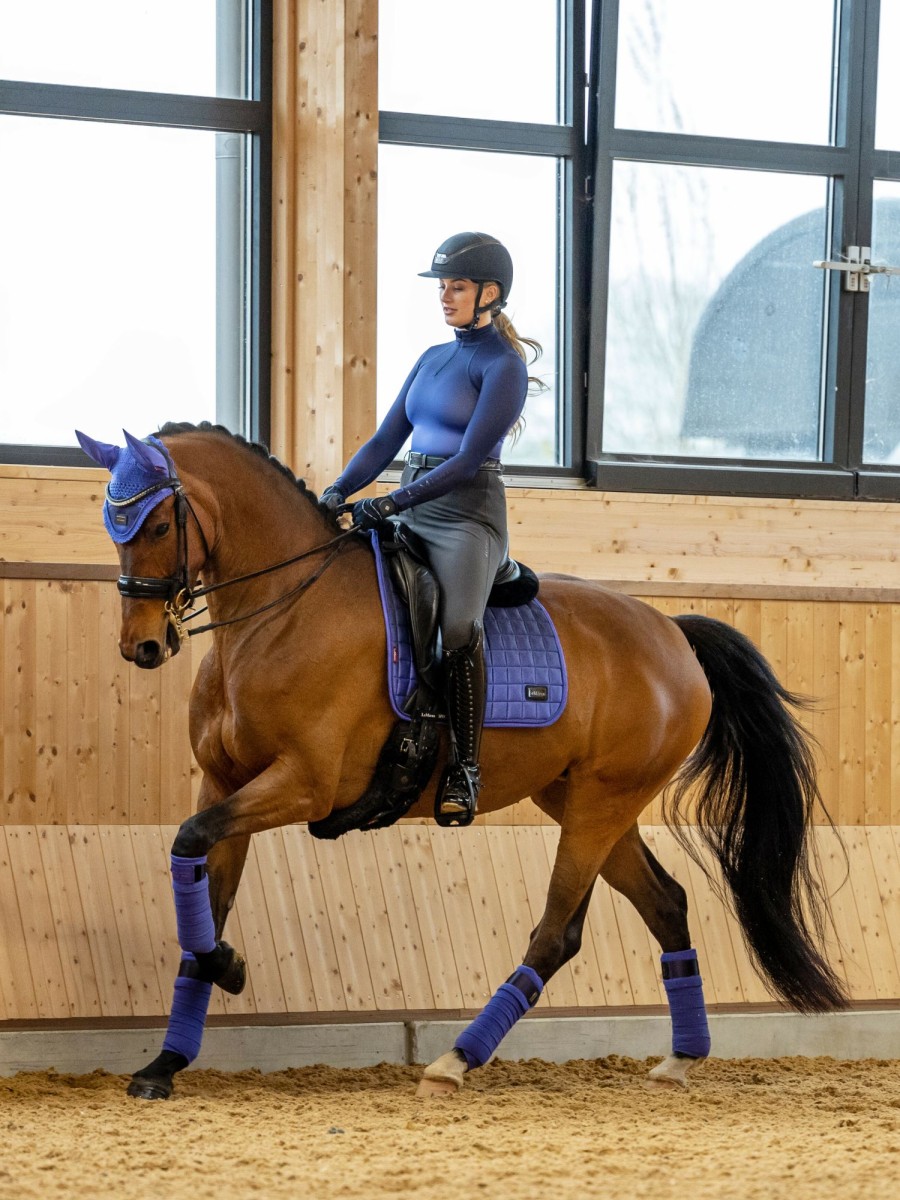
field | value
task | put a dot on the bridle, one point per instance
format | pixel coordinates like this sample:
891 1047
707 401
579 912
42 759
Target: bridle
176 589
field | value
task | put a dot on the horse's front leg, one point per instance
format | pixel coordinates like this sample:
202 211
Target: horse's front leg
208 857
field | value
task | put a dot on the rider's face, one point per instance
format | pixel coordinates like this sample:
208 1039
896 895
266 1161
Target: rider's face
457 298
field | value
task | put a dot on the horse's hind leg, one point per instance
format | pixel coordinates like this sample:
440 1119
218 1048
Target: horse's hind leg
632 869
584 844
193 986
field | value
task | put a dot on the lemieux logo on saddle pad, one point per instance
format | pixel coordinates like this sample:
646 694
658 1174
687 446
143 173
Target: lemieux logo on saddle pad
527 680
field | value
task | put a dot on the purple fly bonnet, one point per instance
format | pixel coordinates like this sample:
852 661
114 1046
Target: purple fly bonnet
142 475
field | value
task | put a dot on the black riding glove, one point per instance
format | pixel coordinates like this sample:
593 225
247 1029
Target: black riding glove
331 500
372 512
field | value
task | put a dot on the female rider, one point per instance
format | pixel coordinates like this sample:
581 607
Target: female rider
459 402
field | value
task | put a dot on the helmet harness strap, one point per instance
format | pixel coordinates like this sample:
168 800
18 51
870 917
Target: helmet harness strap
494 307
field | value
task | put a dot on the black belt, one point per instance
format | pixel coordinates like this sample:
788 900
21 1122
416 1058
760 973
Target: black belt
415 459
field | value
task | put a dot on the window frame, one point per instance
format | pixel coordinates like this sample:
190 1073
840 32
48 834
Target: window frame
252 117
849 163
564 142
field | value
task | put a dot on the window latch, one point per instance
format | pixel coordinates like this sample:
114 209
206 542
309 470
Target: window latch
857 266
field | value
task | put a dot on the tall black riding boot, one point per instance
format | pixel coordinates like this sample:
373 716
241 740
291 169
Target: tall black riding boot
466 679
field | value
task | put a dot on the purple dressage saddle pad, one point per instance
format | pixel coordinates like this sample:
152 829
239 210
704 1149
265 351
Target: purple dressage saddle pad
526 671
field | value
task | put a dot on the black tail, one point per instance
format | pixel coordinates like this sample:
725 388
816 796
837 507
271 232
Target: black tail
753 808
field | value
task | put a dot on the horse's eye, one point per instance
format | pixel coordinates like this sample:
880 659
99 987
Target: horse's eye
161 529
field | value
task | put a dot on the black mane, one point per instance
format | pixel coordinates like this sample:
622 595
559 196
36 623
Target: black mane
174 428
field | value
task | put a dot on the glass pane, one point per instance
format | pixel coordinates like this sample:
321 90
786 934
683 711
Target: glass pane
426 195
108 286
502 66
882 423
887 122
759 70
714 337
166 46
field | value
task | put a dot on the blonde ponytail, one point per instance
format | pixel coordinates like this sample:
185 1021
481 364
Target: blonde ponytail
507 331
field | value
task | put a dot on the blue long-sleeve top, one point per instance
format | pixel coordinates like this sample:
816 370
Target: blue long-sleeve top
459 402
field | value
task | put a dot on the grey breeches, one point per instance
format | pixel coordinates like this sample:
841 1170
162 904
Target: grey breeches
466 535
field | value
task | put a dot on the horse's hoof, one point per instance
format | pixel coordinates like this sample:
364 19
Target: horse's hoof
443 1077
149 1089
234 977
672 1072
428 1089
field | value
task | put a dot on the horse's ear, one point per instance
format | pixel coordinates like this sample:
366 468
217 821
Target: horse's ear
102 453
152 458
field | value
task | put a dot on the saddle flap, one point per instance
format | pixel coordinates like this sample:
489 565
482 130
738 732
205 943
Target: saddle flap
418 588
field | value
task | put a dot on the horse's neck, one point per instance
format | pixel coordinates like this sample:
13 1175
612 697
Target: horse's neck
259 520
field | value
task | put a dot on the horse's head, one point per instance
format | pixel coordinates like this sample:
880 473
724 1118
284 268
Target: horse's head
146 514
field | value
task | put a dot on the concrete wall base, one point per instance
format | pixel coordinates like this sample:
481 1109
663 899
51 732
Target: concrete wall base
853 1035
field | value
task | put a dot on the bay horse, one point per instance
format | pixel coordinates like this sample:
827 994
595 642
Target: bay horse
290 708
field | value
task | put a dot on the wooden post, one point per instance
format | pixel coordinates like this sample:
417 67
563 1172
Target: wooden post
325 119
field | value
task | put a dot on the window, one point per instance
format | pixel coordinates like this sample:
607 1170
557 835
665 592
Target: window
486 132
134 222
733 149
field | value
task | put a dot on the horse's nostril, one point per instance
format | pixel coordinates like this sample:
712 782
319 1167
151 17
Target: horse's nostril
148 654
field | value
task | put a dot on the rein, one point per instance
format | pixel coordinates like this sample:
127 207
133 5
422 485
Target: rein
176 590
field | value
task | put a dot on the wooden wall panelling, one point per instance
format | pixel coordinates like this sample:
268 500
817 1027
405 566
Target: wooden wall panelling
102 930
603 930
129 907
114 782
446 986
258 940
852 720
849 953
78 972
330 861
287 930
314 921
870 907
826 692
406 932
895 715
375 917
40 944
500 846
20 785
877 777
17 991
152 888
463 938
500 958
82 652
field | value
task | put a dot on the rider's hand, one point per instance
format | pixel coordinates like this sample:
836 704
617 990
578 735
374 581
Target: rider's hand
373 511
331 500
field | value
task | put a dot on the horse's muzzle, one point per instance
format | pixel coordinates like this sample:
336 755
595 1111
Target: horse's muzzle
150 654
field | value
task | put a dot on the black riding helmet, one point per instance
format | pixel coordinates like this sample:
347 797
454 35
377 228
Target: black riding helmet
475 256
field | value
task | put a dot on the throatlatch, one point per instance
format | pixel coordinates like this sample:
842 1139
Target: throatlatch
466 682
